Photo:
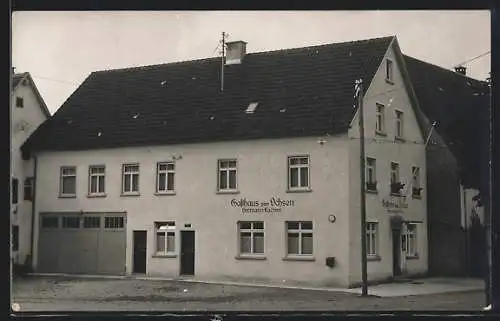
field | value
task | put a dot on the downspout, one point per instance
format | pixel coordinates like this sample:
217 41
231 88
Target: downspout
33 209
464 204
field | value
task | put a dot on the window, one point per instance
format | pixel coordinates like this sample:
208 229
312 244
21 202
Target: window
416 189
130 179
380 119
411 240
388 70
15 238
71 222
28 189
97 174
371 179
165 177
50 222
227 175
114 222
15 190
251 238
371 239
399 124
68 181
165 238
19 102
300 238
395 183
298 172
92 222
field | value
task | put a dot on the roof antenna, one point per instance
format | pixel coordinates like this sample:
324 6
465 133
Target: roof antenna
222 61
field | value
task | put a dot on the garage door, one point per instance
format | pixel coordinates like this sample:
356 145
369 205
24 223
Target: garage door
75 243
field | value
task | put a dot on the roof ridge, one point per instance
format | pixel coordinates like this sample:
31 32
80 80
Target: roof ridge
444 69
207 59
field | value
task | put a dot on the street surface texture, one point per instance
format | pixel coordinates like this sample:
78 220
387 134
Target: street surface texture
46 294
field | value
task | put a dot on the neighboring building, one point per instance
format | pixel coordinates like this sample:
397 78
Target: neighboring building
27 111
157 170
455 154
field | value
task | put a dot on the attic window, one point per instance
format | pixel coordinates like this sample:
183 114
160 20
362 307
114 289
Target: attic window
389 70
19 102
251 108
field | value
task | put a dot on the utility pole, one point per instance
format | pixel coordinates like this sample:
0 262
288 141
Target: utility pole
359 95
222 61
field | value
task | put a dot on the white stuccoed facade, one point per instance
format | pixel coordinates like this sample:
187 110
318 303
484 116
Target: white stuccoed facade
332 204
24 121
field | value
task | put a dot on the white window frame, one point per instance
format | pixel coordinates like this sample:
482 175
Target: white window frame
168 189
373 168
130 173
415 177
299 231
165 228
389 70
228 170
63 176
300 167
28 187
252 230
98 176
411 240
399 123
372 250
379 118
394 173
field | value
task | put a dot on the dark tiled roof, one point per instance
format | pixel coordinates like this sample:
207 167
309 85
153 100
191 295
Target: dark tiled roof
459 104
17 78
301 92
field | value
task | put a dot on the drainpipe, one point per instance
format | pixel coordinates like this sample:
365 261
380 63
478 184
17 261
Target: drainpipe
33 209
464 204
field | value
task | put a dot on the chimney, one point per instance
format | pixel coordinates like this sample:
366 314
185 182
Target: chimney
236 51
461 70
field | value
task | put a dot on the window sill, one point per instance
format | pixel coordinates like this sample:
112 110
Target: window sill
169 193
299 258
397 194
130 194
390 82
250 257
373 258
371 191
412 257
96 195
227 192
417 197
164 256
299 190
67 196
399 139
380 133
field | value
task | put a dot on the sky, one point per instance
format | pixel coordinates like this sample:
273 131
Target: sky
60 49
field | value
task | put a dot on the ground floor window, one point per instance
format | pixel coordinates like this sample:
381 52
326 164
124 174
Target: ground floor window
411 240
15 238
300 238
112 222
251 237
71 222
372 239
165 238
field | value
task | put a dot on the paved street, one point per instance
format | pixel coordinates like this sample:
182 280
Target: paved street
75 294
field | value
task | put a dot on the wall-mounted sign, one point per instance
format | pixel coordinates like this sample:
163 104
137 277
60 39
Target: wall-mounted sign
273 205
395 204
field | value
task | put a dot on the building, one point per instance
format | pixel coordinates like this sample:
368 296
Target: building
27 111
455 165
168 170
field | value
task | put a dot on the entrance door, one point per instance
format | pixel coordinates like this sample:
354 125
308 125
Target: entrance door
140 241
396 252
187 253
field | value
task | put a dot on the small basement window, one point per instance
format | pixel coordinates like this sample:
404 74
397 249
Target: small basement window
251 108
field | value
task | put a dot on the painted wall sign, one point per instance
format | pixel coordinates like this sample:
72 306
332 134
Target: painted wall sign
273 205
397 203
